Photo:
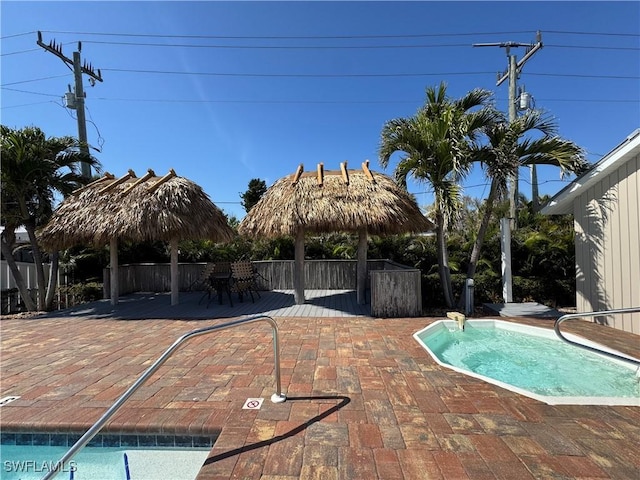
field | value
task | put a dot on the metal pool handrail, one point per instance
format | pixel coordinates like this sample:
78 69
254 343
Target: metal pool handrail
277 397
559 321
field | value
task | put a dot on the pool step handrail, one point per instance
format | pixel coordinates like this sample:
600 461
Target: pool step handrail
277 397
618 311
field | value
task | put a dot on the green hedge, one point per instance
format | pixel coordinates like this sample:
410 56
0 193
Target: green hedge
81 292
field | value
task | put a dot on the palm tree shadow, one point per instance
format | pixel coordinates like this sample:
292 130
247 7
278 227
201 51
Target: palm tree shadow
590 237
344 401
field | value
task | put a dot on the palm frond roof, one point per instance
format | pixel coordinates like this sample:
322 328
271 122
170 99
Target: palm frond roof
334 200
148 208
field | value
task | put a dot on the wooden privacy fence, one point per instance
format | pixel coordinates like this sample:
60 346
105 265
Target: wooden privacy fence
151 277
395 290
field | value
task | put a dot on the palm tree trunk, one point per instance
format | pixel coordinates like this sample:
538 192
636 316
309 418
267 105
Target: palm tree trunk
17 276
479 241
482 231
37 259
53 280
443 262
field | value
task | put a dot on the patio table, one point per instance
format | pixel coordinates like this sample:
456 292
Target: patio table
221 282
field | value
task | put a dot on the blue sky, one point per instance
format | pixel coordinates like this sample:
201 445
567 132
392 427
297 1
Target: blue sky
224 92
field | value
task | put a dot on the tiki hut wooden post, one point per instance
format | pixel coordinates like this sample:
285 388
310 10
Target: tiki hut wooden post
175 280
298 269
113 271
149 208
328 201
361 277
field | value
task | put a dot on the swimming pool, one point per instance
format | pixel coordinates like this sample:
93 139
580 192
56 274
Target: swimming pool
532 361
26 462
31 455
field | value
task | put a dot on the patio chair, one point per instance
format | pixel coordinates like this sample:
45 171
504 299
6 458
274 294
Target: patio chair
200 283
243 279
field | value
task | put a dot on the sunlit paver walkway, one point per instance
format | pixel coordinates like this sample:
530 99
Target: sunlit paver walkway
365 401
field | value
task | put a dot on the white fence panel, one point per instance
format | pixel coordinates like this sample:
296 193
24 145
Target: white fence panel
28 271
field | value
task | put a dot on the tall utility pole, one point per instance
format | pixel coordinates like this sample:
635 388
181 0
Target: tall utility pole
512 73
507 225
78 100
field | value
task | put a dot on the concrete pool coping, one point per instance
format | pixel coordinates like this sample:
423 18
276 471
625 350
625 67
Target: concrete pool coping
536 331
365 400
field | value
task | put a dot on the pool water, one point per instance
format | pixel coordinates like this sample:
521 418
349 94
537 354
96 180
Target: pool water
532 361
26 462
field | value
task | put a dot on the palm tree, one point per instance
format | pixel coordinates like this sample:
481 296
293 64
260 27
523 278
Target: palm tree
437 142
508 149
34 168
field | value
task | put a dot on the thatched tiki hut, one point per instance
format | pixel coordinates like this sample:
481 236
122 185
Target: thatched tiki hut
149 208
327 201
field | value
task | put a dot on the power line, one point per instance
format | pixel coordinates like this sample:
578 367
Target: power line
486 184
578 75
323 47
592 100
349 102
32 93
27 104
293 75
34 80
282 47
592 47
334 47
100 137
317 37
18 53
353 75
290 37
17 35
606 34
319 102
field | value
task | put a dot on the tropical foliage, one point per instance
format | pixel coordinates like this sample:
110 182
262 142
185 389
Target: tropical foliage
542 251
437 143
34 169
256 189
511 146
440 144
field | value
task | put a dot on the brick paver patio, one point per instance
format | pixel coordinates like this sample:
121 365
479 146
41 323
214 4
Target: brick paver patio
365 401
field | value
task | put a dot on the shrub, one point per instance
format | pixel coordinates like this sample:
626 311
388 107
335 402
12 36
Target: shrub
77 293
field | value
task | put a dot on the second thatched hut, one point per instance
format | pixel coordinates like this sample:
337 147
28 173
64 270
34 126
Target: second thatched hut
149 208
344 200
